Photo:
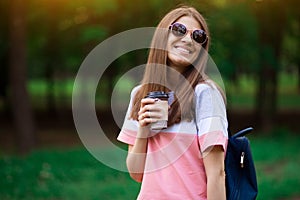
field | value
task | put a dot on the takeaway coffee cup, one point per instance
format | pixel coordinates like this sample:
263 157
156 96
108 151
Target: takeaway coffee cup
163 103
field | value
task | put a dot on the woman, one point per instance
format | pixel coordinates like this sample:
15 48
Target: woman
185 160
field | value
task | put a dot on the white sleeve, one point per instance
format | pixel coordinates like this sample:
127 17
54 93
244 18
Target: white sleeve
210 116
130 126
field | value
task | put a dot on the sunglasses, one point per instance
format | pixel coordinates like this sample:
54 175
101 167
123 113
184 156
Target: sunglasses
180 30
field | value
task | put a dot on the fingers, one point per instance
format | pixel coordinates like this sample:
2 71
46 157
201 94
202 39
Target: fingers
150 115
143 115
152 110
146 118
147 114
149 108
147 101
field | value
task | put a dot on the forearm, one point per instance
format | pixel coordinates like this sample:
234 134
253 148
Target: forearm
215 173
216 187
137 155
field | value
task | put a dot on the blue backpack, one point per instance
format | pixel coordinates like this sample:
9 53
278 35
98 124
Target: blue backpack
240 172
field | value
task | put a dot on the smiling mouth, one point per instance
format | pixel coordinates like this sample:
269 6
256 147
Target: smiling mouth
183 50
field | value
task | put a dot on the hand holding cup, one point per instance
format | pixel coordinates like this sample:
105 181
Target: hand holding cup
154 111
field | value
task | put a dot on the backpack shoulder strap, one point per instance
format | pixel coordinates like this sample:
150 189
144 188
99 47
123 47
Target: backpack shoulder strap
242 133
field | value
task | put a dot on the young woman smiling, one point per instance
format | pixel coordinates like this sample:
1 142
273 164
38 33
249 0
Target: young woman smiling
185 160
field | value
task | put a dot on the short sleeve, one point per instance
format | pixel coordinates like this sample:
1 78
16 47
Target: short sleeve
211 117
130 126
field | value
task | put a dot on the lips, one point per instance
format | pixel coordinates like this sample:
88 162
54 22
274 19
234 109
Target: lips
183 50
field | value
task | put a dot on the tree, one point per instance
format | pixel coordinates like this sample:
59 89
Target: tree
234 40
271 18
20 104
52 50
293 48
4 54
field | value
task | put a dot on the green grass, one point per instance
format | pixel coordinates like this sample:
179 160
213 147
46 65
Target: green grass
75 174
62 174
277 160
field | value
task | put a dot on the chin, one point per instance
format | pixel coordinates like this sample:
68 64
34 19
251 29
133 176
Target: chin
182 62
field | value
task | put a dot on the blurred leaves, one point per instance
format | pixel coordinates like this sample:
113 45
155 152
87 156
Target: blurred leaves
234 40
80 25
245 35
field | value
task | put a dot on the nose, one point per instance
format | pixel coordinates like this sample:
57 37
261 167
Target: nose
187 37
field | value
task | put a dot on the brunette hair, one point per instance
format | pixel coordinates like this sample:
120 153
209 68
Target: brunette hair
155 74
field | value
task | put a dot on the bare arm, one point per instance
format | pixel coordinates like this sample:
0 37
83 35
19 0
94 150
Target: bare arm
214 167
137 153
136 158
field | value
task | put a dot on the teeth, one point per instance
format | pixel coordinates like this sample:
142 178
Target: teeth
183 50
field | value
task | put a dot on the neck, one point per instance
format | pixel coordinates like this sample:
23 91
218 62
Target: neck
173 76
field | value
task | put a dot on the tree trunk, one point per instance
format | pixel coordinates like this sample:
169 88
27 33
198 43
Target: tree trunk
299 77
270 50
298 65
4 58
266 107
298 59
52 50
4 83
21 108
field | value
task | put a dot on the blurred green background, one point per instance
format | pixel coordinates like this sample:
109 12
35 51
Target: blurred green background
255 44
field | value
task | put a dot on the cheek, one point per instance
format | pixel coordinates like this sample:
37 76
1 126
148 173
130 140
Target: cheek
195 56
171 41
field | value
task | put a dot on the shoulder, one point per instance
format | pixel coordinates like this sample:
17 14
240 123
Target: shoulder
135 90
202 87
209 101
206 87
209 91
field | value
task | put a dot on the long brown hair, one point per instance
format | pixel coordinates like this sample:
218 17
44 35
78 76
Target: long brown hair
156 75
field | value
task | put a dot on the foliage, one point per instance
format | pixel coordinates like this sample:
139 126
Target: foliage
234 40
62 32
246 36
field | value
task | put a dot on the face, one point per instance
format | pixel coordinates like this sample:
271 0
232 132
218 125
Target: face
182 51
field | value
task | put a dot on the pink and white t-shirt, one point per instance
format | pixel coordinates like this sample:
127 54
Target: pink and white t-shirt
174 166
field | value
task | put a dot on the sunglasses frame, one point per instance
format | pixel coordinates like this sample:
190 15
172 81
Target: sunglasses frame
186 31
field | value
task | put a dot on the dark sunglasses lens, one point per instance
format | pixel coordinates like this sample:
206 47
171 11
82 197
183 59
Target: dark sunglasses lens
199 36
178 29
